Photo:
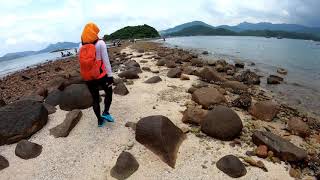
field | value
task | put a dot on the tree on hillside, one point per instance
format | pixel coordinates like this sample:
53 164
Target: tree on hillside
133 32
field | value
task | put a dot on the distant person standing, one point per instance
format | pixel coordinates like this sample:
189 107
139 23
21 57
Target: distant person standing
95 69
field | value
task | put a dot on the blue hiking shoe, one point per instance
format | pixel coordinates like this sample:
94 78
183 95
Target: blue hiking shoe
102 124
107 117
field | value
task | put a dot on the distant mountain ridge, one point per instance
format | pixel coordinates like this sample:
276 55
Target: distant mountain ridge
49 48
245 26
202 30
273 27
199 30
183 26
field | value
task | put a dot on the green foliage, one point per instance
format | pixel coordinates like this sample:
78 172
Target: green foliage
133 32
199 30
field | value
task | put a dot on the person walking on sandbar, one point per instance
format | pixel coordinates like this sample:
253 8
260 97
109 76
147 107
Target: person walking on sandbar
95 69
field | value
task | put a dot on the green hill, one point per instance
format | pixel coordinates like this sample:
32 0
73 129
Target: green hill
133 32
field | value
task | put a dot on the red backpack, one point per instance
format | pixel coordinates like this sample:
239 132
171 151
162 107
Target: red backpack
90 67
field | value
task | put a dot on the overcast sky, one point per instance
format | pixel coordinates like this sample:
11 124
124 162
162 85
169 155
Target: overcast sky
33 24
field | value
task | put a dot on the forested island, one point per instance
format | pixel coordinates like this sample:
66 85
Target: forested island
133 32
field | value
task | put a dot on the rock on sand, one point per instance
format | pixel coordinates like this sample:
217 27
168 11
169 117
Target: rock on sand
264 110
125 166
28 150
208 97
71 120
76 96
20 120
161 136
232 166
222 123
282 148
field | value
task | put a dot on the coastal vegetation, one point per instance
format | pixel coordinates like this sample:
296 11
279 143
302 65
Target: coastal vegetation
133 32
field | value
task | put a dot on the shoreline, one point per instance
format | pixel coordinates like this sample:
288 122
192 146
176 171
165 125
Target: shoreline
302 96
45 63
89 152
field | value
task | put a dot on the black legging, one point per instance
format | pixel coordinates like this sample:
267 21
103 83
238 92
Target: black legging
106 84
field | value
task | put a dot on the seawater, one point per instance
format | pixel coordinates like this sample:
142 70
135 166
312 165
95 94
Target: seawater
301 58
13 65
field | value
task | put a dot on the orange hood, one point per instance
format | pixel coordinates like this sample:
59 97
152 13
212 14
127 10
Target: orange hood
90 33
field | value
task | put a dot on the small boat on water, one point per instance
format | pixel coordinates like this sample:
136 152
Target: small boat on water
279 37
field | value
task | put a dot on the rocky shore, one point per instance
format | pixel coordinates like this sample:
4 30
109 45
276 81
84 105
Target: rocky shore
177 117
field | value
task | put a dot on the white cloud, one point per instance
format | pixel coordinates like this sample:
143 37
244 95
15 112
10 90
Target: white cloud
11 41
32 24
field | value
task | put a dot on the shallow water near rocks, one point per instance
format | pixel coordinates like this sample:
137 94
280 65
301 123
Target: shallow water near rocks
301 58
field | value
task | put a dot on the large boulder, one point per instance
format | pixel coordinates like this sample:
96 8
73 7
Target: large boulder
70 81
170 64
188 70
161 136
298 127
129 74
235 86
282 148
232 166
20 120
153 80
264 110
196 62
121 89
248 77
42 91
55 83
71 120
209 75
273 79
4 163
194 115
136 70
243 101
50 109
222 123
132 63
208 97
161 62
125 166
239 64
76 96
28 150
54 97
32 97
174 73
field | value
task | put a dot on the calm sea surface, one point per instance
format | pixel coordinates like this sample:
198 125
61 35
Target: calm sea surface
10 66
300 57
